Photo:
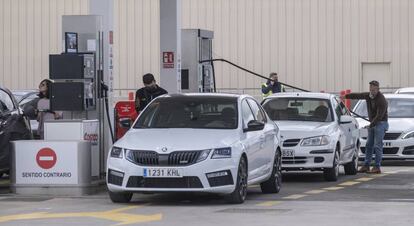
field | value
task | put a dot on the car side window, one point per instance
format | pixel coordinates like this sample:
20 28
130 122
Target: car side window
257 111
247 113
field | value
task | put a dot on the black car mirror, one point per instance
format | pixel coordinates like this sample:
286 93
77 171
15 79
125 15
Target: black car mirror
254 125
125 122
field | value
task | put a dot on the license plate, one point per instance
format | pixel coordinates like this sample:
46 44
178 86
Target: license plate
288 153
163 172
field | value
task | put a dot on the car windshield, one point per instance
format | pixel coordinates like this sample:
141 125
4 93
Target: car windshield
198 112
397 108
298 109
28 96
6 103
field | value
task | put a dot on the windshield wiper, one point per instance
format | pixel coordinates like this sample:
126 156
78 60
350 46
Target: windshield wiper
359 116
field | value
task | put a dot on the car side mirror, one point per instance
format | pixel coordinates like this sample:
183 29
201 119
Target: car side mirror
345 119
125 122
254 125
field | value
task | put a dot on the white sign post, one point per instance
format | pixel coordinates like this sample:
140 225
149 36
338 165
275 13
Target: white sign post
51 162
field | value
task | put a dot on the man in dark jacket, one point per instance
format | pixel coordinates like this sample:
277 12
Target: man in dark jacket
377 107
149 92
272 85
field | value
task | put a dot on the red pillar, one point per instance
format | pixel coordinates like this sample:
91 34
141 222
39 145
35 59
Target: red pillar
348 101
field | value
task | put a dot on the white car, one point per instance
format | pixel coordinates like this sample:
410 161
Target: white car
216 143
399 139
406 90
317 131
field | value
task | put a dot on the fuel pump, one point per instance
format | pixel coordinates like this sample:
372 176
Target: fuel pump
197 76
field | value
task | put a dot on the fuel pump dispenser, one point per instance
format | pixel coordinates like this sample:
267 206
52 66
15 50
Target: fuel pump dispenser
197 46
79 88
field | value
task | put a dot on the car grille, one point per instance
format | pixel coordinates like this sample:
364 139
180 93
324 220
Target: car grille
385 151
391 136
291 142
152 158
294 160
184 182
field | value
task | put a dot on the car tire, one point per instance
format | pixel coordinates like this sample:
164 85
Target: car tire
351 168
331 174
240 192
274 183
120 197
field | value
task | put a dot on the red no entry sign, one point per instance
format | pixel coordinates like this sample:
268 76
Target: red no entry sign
46 158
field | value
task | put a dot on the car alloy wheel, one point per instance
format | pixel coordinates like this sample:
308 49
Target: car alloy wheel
336 163
243 179
240 192
351 168
331 174
274 183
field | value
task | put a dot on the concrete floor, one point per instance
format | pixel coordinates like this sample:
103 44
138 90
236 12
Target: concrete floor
305 199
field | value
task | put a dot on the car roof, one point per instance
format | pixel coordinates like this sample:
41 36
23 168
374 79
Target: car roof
399 96
405 89
224 95
302 94
396 96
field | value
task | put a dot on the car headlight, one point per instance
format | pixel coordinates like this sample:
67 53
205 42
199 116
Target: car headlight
408 135
116 152
203 155
221 153
316 141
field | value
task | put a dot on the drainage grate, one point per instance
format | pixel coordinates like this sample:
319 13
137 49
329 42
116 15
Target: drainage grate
240 210
26 199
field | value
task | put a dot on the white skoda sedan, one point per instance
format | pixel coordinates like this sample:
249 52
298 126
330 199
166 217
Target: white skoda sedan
399 139
217 143
317 132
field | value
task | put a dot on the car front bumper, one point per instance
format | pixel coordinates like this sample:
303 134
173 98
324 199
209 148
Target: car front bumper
393 149
125 176
308 157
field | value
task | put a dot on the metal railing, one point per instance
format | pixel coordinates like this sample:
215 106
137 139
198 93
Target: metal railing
123 94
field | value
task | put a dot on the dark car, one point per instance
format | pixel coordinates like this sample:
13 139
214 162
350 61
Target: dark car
14 125
27 99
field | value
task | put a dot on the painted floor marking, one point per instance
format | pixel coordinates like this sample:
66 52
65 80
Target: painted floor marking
294 196
115 215
333 188
364 179
269 203
349 183
314 192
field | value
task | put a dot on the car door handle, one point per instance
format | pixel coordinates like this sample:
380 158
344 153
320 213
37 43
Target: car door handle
262 138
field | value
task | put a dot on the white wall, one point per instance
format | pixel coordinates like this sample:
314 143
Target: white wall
29 31
314 44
